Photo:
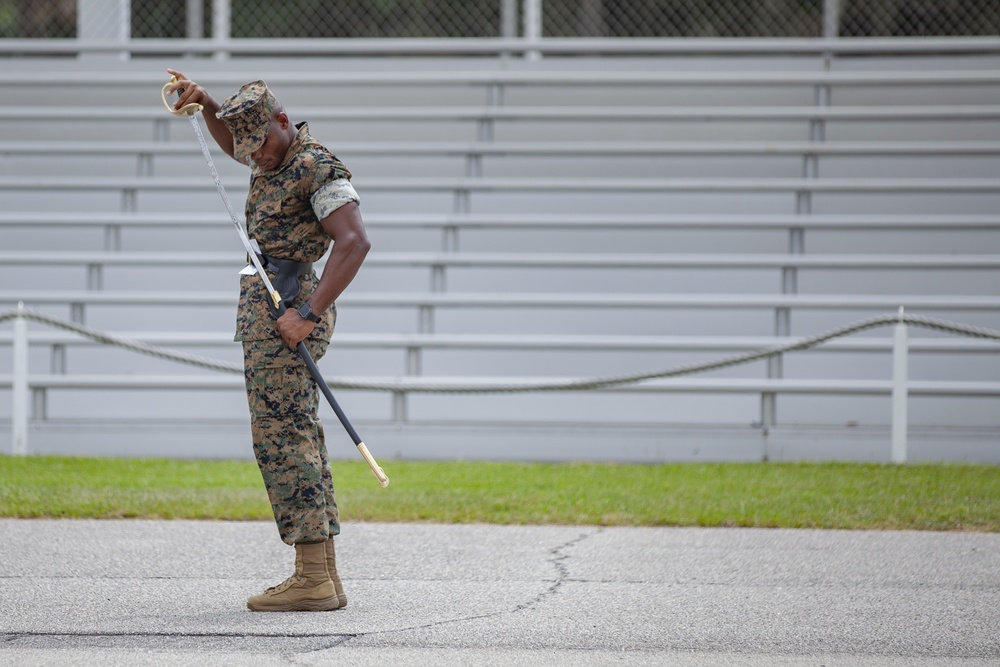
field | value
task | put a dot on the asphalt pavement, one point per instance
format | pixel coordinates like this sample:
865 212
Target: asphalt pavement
82 592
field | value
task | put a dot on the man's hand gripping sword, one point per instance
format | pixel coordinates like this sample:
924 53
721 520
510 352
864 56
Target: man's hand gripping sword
190 110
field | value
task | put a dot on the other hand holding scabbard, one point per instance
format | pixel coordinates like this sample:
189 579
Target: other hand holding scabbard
294 328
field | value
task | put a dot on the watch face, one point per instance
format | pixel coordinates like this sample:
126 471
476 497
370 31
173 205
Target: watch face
306 312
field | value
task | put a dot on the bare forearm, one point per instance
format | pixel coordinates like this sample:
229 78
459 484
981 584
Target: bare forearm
350 247
341 267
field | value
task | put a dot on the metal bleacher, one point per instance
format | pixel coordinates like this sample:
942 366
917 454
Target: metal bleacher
533 220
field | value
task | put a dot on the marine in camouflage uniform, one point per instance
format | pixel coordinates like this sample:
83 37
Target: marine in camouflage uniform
300 199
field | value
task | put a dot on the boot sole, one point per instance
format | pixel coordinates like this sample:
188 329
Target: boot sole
326 604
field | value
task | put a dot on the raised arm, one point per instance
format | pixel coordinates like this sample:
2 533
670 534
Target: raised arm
192 92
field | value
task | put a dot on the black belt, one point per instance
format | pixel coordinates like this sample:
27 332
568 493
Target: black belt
282 266
286 280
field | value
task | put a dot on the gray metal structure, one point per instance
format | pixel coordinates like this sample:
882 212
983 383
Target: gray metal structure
613 207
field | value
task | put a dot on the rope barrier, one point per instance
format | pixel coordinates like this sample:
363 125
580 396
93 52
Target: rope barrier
134 345
584 384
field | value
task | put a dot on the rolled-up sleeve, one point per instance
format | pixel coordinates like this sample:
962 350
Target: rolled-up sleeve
332 196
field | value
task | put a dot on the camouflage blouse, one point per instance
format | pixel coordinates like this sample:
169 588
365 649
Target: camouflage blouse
283 211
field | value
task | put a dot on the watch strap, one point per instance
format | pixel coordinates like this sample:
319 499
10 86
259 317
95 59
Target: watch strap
307 313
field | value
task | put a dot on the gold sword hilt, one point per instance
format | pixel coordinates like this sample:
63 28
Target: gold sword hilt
186 110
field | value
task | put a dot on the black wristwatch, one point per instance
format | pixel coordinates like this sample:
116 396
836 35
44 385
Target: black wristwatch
307 313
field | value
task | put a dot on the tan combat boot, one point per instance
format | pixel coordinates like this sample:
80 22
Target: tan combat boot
309 589
331 567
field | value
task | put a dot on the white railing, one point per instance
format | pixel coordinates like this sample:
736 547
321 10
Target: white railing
21 382
529 48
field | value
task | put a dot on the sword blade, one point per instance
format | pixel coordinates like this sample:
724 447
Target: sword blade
193 119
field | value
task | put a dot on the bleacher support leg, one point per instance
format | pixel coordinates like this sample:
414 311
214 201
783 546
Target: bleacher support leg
19 406
399 407
899 393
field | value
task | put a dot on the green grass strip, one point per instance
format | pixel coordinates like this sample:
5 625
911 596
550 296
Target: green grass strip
786 495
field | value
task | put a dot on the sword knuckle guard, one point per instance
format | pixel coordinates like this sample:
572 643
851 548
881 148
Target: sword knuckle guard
186 110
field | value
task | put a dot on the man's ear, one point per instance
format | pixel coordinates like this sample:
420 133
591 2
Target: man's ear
282 119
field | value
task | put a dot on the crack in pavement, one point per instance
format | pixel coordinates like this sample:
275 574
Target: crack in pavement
11 636
557 556
558 560
287 645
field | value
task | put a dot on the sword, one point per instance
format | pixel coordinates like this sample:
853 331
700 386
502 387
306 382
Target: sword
190 110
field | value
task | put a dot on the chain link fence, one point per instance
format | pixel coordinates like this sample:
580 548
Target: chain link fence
771 18
137 19
920 18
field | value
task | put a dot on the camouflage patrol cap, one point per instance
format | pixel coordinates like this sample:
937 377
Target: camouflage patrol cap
247 114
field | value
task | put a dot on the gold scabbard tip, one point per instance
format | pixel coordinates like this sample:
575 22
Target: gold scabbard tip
380 475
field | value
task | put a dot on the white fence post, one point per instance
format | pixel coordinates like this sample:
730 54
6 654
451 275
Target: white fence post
831 19
221 27
194 19
19 407
104 20
899 393
508 19
532 27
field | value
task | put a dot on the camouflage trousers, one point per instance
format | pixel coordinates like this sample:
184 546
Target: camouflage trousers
288 439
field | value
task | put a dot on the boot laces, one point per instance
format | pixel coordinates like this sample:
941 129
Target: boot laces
284 585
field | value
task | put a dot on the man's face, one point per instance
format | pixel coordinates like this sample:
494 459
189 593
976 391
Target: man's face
272 152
